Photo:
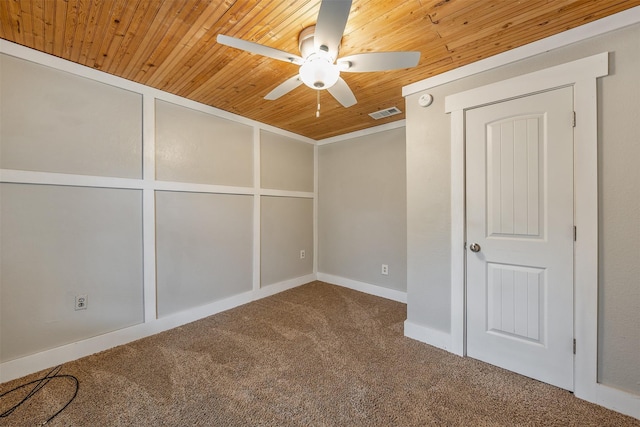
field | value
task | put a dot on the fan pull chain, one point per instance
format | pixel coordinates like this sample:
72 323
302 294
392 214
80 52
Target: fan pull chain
318 110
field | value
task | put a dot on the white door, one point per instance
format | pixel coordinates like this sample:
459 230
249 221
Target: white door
519 187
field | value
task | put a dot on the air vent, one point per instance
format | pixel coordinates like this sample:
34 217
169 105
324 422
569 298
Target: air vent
385 113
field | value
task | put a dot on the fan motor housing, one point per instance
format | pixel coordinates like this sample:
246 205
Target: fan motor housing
306 42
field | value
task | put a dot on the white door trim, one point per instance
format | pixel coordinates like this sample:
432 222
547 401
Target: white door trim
582 75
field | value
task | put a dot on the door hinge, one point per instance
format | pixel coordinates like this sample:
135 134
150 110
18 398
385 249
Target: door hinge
574 119
575 233
574 346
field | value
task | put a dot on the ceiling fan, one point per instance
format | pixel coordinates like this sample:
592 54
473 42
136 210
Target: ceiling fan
320 66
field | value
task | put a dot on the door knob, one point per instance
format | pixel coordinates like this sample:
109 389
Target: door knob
474 247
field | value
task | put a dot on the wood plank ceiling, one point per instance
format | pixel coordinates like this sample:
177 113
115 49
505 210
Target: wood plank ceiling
171 45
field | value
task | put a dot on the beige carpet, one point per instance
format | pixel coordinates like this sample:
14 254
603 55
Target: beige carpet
317 355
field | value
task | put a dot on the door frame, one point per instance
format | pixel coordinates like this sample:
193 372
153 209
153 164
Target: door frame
582 74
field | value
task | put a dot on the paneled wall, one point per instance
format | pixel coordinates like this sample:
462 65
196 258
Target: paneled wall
286 164
53 121
204 248
193 146
159 210
62 241
287 238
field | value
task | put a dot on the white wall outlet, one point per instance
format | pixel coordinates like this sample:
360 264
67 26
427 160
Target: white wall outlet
303 254
81 302
385 270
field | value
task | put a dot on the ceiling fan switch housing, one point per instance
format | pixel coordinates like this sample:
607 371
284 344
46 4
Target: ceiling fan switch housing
305 41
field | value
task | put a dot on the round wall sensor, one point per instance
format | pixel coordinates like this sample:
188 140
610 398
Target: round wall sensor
425 100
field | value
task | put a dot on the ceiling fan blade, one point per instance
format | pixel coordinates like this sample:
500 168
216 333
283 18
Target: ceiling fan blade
259 49
332 19
284 88
378 61
342 93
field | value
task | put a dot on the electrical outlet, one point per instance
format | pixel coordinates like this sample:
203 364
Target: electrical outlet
303 254
385 270
81 302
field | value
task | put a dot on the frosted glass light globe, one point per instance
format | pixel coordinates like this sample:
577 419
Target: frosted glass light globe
319 73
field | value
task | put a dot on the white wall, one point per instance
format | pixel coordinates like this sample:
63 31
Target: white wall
58 242
429 196
53 121
286 164
148 203
194 146
362 211
204 248
287 229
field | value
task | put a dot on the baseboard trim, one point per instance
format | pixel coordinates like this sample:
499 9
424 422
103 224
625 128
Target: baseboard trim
617 400
367 288
612 398
268 290
26 365
427 335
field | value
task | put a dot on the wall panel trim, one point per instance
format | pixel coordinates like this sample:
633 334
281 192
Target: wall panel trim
149 185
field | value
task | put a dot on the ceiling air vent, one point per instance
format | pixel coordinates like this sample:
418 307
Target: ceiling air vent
385 113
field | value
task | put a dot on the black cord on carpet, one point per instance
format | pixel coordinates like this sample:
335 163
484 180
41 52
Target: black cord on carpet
39 385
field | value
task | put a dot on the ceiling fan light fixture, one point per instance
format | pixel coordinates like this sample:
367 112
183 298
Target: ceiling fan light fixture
320 64
318 72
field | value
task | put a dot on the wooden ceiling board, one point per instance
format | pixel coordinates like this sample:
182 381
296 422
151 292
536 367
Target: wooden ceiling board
536 28
177 51
239 60
196 67
113 35
171 45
